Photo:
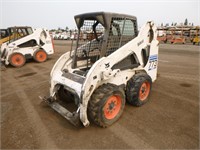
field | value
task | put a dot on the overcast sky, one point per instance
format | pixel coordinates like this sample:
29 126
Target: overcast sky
59 13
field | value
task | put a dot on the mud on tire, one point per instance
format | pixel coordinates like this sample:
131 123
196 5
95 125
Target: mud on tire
138 89
106 104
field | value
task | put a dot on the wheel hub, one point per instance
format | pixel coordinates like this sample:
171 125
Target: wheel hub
17 60
112 107
144 91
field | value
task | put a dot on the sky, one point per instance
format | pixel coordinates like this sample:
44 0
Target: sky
54 14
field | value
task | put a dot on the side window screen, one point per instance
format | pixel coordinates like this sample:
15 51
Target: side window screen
129 28
129 32
117 26
30 31
122 30
115 32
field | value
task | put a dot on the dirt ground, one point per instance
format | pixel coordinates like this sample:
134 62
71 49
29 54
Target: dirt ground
170 120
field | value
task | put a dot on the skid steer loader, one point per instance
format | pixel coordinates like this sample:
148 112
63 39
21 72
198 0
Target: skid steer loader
104 72
24 43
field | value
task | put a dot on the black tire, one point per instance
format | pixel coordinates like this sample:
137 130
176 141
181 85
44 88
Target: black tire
98 111
135 94
64 95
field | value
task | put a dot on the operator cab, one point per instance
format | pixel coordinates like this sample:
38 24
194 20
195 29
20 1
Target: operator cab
12 34
99 35
19 32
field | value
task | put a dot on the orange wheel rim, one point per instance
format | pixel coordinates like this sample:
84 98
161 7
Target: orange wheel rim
41 56
144 91
112 106
17 59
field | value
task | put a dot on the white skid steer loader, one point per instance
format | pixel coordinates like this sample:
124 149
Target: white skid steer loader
25 43
113 65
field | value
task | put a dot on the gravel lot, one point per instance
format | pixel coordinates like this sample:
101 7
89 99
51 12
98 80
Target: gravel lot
170 120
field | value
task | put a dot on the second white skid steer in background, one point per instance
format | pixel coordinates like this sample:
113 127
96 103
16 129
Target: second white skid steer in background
114 64
24 43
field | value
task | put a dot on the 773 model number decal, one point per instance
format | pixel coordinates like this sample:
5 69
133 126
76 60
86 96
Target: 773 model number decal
153 61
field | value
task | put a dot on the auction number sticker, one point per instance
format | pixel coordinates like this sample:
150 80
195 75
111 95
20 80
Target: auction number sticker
153 61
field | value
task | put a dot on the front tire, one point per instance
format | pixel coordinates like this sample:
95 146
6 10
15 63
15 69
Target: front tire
17 59
106 104
138 89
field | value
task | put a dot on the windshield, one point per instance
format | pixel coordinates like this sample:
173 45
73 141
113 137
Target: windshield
19 32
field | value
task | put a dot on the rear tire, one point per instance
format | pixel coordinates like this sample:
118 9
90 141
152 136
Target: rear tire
17 59
138 89
40 56
106 105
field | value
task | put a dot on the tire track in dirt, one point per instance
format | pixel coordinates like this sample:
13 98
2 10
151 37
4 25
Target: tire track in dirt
35 86
180 76
40 130
35 120
174 96
20 77
128 137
